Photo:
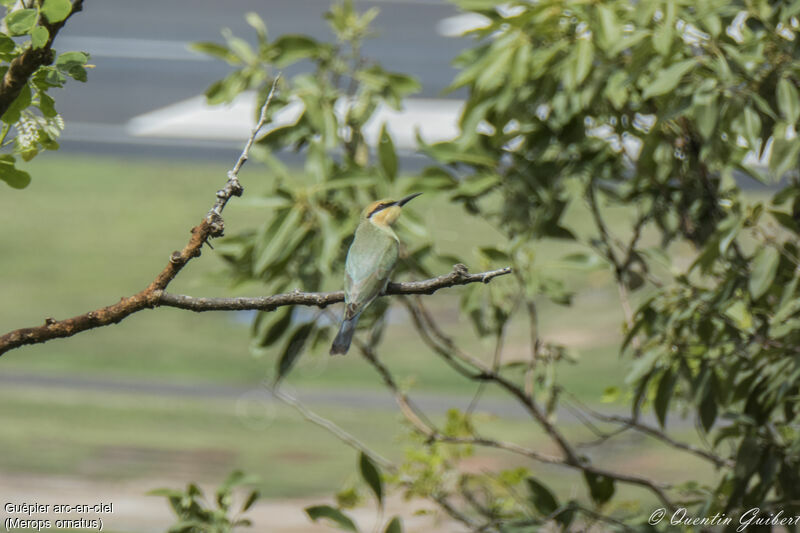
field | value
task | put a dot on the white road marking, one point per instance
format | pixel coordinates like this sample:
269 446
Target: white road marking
116 47
435 120
458 25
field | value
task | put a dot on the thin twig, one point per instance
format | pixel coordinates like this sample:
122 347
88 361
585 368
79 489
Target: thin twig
656 433
233 187
329 426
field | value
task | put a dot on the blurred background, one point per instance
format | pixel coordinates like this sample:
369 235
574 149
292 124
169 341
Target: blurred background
169 397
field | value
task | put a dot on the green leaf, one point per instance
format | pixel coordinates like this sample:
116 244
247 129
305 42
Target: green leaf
784 156
371 476
706 116
583 261
729 230
610 31
449 152
39 36
765 265
293 349
666 386
583 64
237 478
788 101
7 44
257 24
292 48
668 79
708 406
270 326
642 366
234 478
71 64
566 516
662 39
617 89
543 500
47 105
21 21
786 220
226 89
21 102
610 394
387 157
338 518
740 315
752 126
276 241
240 48
251 499
494 254
394 526
56 10
217 50
601 488
579 64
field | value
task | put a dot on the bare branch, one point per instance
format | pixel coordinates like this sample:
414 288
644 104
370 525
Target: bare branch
459 276
28 62
572 459
656 433
233 187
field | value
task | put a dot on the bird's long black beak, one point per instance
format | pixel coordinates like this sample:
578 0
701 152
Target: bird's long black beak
404 201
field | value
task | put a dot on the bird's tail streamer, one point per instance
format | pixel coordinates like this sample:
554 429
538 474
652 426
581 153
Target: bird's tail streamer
345 336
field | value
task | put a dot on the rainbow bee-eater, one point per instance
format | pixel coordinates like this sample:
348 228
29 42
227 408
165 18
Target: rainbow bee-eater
370 260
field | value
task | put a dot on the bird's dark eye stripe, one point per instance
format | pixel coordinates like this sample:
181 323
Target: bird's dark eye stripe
378 208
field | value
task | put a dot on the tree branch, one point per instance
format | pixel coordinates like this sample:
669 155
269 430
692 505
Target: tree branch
459 276
210 226
656 433
154 296
571 458
28 62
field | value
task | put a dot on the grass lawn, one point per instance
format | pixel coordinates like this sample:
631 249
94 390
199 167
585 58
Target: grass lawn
125 437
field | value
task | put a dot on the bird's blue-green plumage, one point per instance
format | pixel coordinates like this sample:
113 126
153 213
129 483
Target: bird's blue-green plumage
370 260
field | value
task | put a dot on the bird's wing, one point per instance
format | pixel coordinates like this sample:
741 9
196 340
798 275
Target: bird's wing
364 283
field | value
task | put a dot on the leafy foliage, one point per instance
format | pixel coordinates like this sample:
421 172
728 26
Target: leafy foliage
665 107
304 239
196 515
336 517
31 123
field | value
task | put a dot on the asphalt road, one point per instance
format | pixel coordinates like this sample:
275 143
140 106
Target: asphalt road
142 63
258 398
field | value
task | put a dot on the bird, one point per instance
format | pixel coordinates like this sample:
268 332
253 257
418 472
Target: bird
370 260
